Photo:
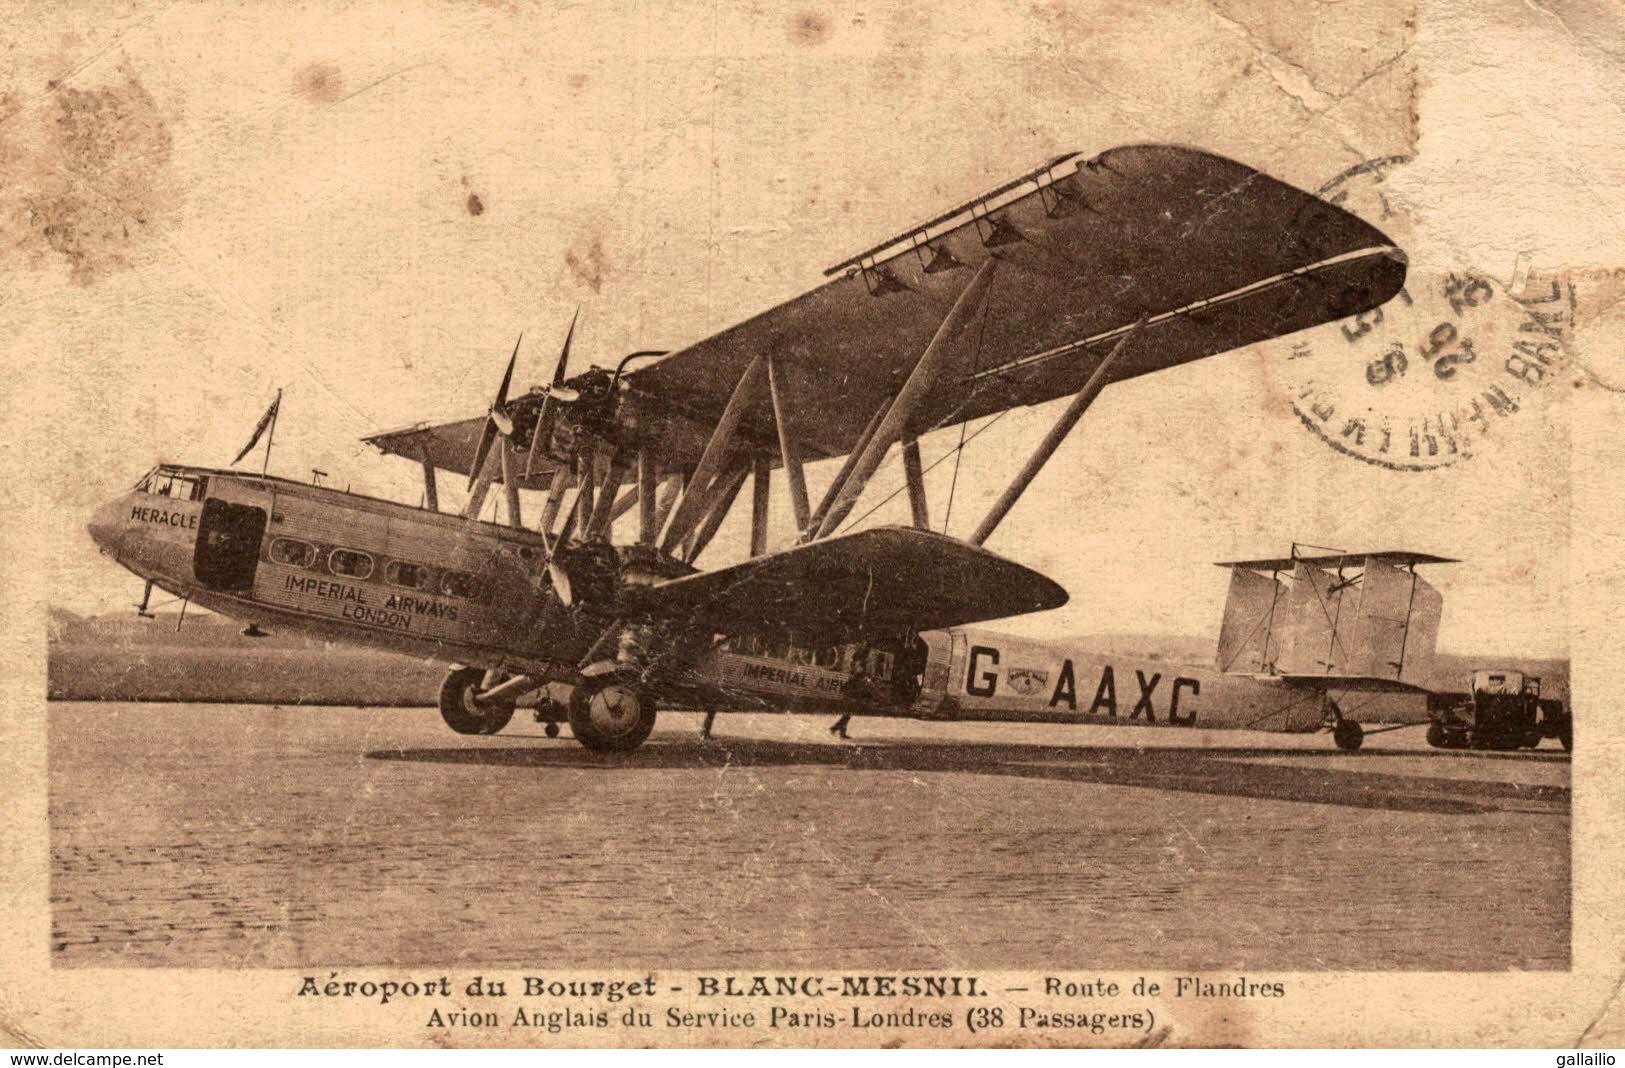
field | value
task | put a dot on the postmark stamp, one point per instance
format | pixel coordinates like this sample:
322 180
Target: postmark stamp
1419 382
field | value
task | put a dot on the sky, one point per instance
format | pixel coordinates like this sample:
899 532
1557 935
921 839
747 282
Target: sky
365 210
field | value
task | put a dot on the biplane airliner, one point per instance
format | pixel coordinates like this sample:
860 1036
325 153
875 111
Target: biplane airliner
1083 273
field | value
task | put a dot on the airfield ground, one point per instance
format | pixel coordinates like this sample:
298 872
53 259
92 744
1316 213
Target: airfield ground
197 835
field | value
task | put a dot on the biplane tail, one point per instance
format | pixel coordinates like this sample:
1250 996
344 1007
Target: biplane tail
1347 621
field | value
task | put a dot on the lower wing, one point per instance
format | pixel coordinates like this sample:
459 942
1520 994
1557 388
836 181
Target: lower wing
879 580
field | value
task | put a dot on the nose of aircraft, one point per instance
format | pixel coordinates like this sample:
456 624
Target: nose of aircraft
105 525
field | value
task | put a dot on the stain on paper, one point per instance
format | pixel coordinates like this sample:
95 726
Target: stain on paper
82 176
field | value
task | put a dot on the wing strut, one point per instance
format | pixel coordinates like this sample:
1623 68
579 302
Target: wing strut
810 531
761 482
668 497
586 495
626 501
1057 434
793 475
722 501
648 491
555 497
604 513
510 488
431 491
914 391
914 472
482 485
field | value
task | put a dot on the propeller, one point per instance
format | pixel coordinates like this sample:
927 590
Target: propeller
555 393
561 583
558 391
497 421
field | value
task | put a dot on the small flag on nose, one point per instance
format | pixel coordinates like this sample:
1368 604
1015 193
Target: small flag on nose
265 421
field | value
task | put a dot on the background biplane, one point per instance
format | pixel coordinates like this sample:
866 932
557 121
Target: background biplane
1079 274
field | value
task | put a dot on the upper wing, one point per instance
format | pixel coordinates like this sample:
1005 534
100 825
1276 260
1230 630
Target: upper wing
451 446
873 581
1214 253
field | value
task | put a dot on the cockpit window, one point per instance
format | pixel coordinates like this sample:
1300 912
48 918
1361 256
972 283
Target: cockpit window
175 485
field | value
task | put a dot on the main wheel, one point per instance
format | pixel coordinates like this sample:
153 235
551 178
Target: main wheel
611 715
1566 736
1348 735
1436 737
465 715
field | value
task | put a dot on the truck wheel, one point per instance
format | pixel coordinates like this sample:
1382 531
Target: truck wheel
465 715
611 715
1348 735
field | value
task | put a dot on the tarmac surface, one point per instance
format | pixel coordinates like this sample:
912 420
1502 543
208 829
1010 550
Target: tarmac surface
251 836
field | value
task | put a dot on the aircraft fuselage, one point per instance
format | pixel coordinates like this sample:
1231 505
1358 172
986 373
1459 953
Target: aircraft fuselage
357 569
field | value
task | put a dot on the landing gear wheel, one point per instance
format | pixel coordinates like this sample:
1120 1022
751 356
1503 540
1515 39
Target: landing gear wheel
1566 736
551 730
1436 737
1348 735
465 715
611 715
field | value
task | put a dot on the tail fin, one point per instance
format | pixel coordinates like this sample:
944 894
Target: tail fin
1366 616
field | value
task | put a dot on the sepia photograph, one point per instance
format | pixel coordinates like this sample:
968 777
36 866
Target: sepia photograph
1002 524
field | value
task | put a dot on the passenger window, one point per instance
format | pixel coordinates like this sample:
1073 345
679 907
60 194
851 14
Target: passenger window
349 563
412 576
827 657
460 584
775 648
292 552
